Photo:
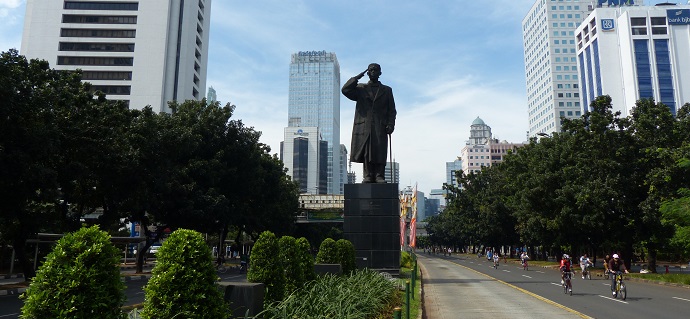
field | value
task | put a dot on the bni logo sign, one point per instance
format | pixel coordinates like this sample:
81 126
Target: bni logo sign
607 25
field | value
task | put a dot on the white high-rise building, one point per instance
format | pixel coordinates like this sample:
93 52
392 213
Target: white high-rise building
142 52
548 34
636 52
314 101
482 150
303 151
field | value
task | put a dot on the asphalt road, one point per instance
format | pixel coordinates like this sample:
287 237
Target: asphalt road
10 305
591 298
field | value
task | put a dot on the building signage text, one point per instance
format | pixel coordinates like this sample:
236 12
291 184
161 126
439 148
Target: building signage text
311 53
678 16
301 133
614 3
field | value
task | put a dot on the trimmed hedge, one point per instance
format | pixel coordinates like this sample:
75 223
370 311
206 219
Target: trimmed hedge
306 260
183 282
266 267
80 278
289 256
328 252
346 255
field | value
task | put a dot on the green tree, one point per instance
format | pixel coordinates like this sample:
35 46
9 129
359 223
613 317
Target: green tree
183 280
32 95
79 279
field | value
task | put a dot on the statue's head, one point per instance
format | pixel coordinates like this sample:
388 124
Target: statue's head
374 71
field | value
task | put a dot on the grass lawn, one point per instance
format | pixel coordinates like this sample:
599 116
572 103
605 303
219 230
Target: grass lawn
415 303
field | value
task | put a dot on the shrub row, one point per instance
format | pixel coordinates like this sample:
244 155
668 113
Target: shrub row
80 278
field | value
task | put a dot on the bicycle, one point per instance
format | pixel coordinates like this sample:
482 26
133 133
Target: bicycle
524 264
586 273
567 283
606 273
221 268
496 262
619 287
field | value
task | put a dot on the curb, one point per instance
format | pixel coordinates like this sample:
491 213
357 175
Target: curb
13 291
11 276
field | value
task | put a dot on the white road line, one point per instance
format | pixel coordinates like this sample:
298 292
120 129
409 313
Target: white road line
681 298
541 272
605 284
609 298
11 314
506 270
557 284
526 276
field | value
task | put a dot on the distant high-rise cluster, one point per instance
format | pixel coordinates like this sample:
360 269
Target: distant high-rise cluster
140 52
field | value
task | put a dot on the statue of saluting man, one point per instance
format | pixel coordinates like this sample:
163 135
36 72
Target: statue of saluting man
374 120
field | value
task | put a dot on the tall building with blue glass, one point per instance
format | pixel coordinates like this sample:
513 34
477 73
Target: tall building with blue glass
314 101
630 53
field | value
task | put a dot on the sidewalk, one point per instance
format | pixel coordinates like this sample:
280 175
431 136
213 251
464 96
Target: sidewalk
16 281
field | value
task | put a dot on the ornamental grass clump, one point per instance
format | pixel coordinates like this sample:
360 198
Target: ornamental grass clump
183 282
80 278
266 267
364 295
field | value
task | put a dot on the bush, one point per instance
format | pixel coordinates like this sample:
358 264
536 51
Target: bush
346 255
289 256
266 268
328 252
306 263
80 278
183 282
405 259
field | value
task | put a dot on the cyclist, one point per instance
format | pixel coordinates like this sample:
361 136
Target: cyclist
220 260
606 265
496 259
584 263
616 265
565 267
523 258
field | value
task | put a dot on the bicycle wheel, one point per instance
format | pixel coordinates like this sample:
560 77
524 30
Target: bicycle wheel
570 288
565 286
588 275
222 269
624 292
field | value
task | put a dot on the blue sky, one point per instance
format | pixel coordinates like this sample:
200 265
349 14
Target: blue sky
448 63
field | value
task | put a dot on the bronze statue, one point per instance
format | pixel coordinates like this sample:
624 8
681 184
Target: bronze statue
374 120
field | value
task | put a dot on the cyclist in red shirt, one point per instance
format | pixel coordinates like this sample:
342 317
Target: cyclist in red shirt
565 266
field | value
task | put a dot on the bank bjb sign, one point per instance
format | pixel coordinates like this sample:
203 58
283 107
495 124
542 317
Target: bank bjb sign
615 3
679 16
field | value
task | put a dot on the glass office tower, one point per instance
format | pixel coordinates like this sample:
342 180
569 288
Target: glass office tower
314 101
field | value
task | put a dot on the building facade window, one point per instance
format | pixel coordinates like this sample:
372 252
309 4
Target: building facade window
84 19
664 74
88 46
643 68
98 5
74 60
112 89
97 33
106 75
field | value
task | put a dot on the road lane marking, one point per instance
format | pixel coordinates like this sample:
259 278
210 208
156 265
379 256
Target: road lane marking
506 270
526 276
541 272
681 298
549 301
609 298
11 314
557 284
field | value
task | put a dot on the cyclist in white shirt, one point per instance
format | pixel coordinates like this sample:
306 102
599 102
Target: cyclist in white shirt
584 263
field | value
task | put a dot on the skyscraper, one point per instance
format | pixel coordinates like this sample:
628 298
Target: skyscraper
211 95
630 53
314 101
142 52
548 35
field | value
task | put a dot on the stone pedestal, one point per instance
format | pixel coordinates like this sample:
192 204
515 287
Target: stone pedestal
244 297
372 224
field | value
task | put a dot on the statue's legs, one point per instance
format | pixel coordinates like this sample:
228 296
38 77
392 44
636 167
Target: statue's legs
369 173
